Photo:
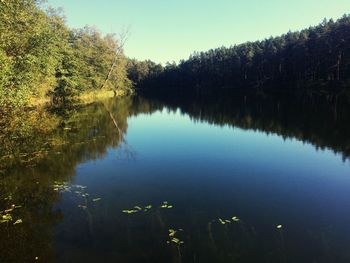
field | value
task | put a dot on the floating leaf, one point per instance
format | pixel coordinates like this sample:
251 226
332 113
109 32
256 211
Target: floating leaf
138 208
8 198
235 219
172 232
130 211
148 207
96 199
222 221
6 218
19 221
166 205
175 240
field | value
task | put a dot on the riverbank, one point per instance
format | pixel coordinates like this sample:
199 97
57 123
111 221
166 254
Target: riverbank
84 98
89 97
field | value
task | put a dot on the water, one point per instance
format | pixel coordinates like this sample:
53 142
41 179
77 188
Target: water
262 162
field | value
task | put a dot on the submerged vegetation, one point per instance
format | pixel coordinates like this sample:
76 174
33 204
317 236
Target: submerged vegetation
42 59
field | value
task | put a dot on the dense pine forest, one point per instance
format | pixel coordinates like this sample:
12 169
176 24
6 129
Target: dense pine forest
42 58
317 56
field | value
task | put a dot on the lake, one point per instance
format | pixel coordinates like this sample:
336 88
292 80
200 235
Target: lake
249 178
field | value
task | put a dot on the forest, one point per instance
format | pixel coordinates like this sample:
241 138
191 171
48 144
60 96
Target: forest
315 57
42 58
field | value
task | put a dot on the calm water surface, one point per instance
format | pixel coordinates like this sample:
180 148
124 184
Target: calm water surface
234 187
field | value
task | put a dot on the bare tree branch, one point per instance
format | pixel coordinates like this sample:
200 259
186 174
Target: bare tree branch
123 37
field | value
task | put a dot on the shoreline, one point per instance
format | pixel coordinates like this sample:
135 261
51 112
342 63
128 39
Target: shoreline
84 98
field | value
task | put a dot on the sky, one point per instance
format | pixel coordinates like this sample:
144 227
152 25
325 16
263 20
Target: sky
170 30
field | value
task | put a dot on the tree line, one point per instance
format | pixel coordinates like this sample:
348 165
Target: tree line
40 56
317 55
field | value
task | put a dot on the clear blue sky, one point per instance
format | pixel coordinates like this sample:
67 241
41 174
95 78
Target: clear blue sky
170 30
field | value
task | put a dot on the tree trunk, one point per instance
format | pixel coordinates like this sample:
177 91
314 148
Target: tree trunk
338 65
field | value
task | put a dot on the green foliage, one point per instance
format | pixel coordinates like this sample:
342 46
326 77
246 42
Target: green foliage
87 58
27 47
139 70
41 56
317 55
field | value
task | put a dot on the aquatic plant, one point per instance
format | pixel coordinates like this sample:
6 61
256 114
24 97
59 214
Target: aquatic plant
235 219
173 239
166 205
19 221
6 216
131 211
136 209
228 221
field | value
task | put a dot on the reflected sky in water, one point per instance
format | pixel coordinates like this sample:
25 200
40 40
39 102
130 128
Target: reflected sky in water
206 172
210 172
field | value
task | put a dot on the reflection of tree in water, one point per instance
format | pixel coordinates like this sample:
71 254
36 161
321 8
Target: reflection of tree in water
322 120
39 149
124 149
